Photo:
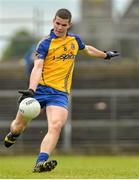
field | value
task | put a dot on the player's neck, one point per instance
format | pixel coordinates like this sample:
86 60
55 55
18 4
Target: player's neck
62 36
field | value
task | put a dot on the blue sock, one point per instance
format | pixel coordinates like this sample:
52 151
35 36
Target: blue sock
42 157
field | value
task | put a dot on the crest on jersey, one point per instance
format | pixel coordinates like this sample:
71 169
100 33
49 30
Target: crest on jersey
72 46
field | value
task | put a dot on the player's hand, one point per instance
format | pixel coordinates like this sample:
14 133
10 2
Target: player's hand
25 94
111 54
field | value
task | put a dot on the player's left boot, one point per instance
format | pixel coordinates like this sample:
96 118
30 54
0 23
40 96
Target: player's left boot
45 166
10 140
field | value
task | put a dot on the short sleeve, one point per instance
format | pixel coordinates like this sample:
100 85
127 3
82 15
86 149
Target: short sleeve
81 44
42 49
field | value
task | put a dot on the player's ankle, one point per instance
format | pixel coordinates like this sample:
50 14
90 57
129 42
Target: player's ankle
42 157
14 134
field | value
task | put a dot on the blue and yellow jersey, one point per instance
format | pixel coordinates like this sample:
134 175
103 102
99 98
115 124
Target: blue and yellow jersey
59 59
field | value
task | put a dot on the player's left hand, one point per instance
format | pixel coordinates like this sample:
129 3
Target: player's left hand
111 54
25 94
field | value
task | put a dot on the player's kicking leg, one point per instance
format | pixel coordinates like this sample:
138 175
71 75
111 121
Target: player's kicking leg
17 126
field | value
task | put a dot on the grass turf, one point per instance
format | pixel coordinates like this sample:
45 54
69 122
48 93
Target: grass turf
81 167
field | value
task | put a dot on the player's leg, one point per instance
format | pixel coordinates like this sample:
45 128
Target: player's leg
17 127
57 116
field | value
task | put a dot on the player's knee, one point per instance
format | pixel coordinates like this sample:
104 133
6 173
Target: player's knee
56 126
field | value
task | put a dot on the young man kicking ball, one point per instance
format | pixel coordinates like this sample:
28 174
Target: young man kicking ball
50 83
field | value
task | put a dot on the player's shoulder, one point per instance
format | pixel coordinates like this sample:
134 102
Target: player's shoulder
73 35
45 40
78 40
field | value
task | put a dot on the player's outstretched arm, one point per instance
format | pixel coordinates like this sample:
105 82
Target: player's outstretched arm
94 52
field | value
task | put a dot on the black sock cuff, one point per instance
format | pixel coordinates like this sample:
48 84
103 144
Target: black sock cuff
15 135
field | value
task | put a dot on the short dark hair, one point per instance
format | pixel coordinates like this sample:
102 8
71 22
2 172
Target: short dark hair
64 14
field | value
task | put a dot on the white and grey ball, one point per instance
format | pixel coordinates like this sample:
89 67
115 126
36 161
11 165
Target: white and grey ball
29 108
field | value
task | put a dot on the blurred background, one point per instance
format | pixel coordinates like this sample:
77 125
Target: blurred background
104 106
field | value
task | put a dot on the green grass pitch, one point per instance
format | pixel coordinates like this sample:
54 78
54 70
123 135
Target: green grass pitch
72 167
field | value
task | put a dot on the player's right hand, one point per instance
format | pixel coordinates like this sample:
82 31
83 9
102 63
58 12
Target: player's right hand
25 94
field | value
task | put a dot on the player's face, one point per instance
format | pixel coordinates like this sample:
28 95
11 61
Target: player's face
61 26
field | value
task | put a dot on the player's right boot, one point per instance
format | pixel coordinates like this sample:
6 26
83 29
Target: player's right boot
45 166
10 139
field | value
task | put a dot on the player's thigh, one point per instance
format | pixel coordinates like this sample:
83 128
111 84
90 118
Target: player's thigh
56 115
